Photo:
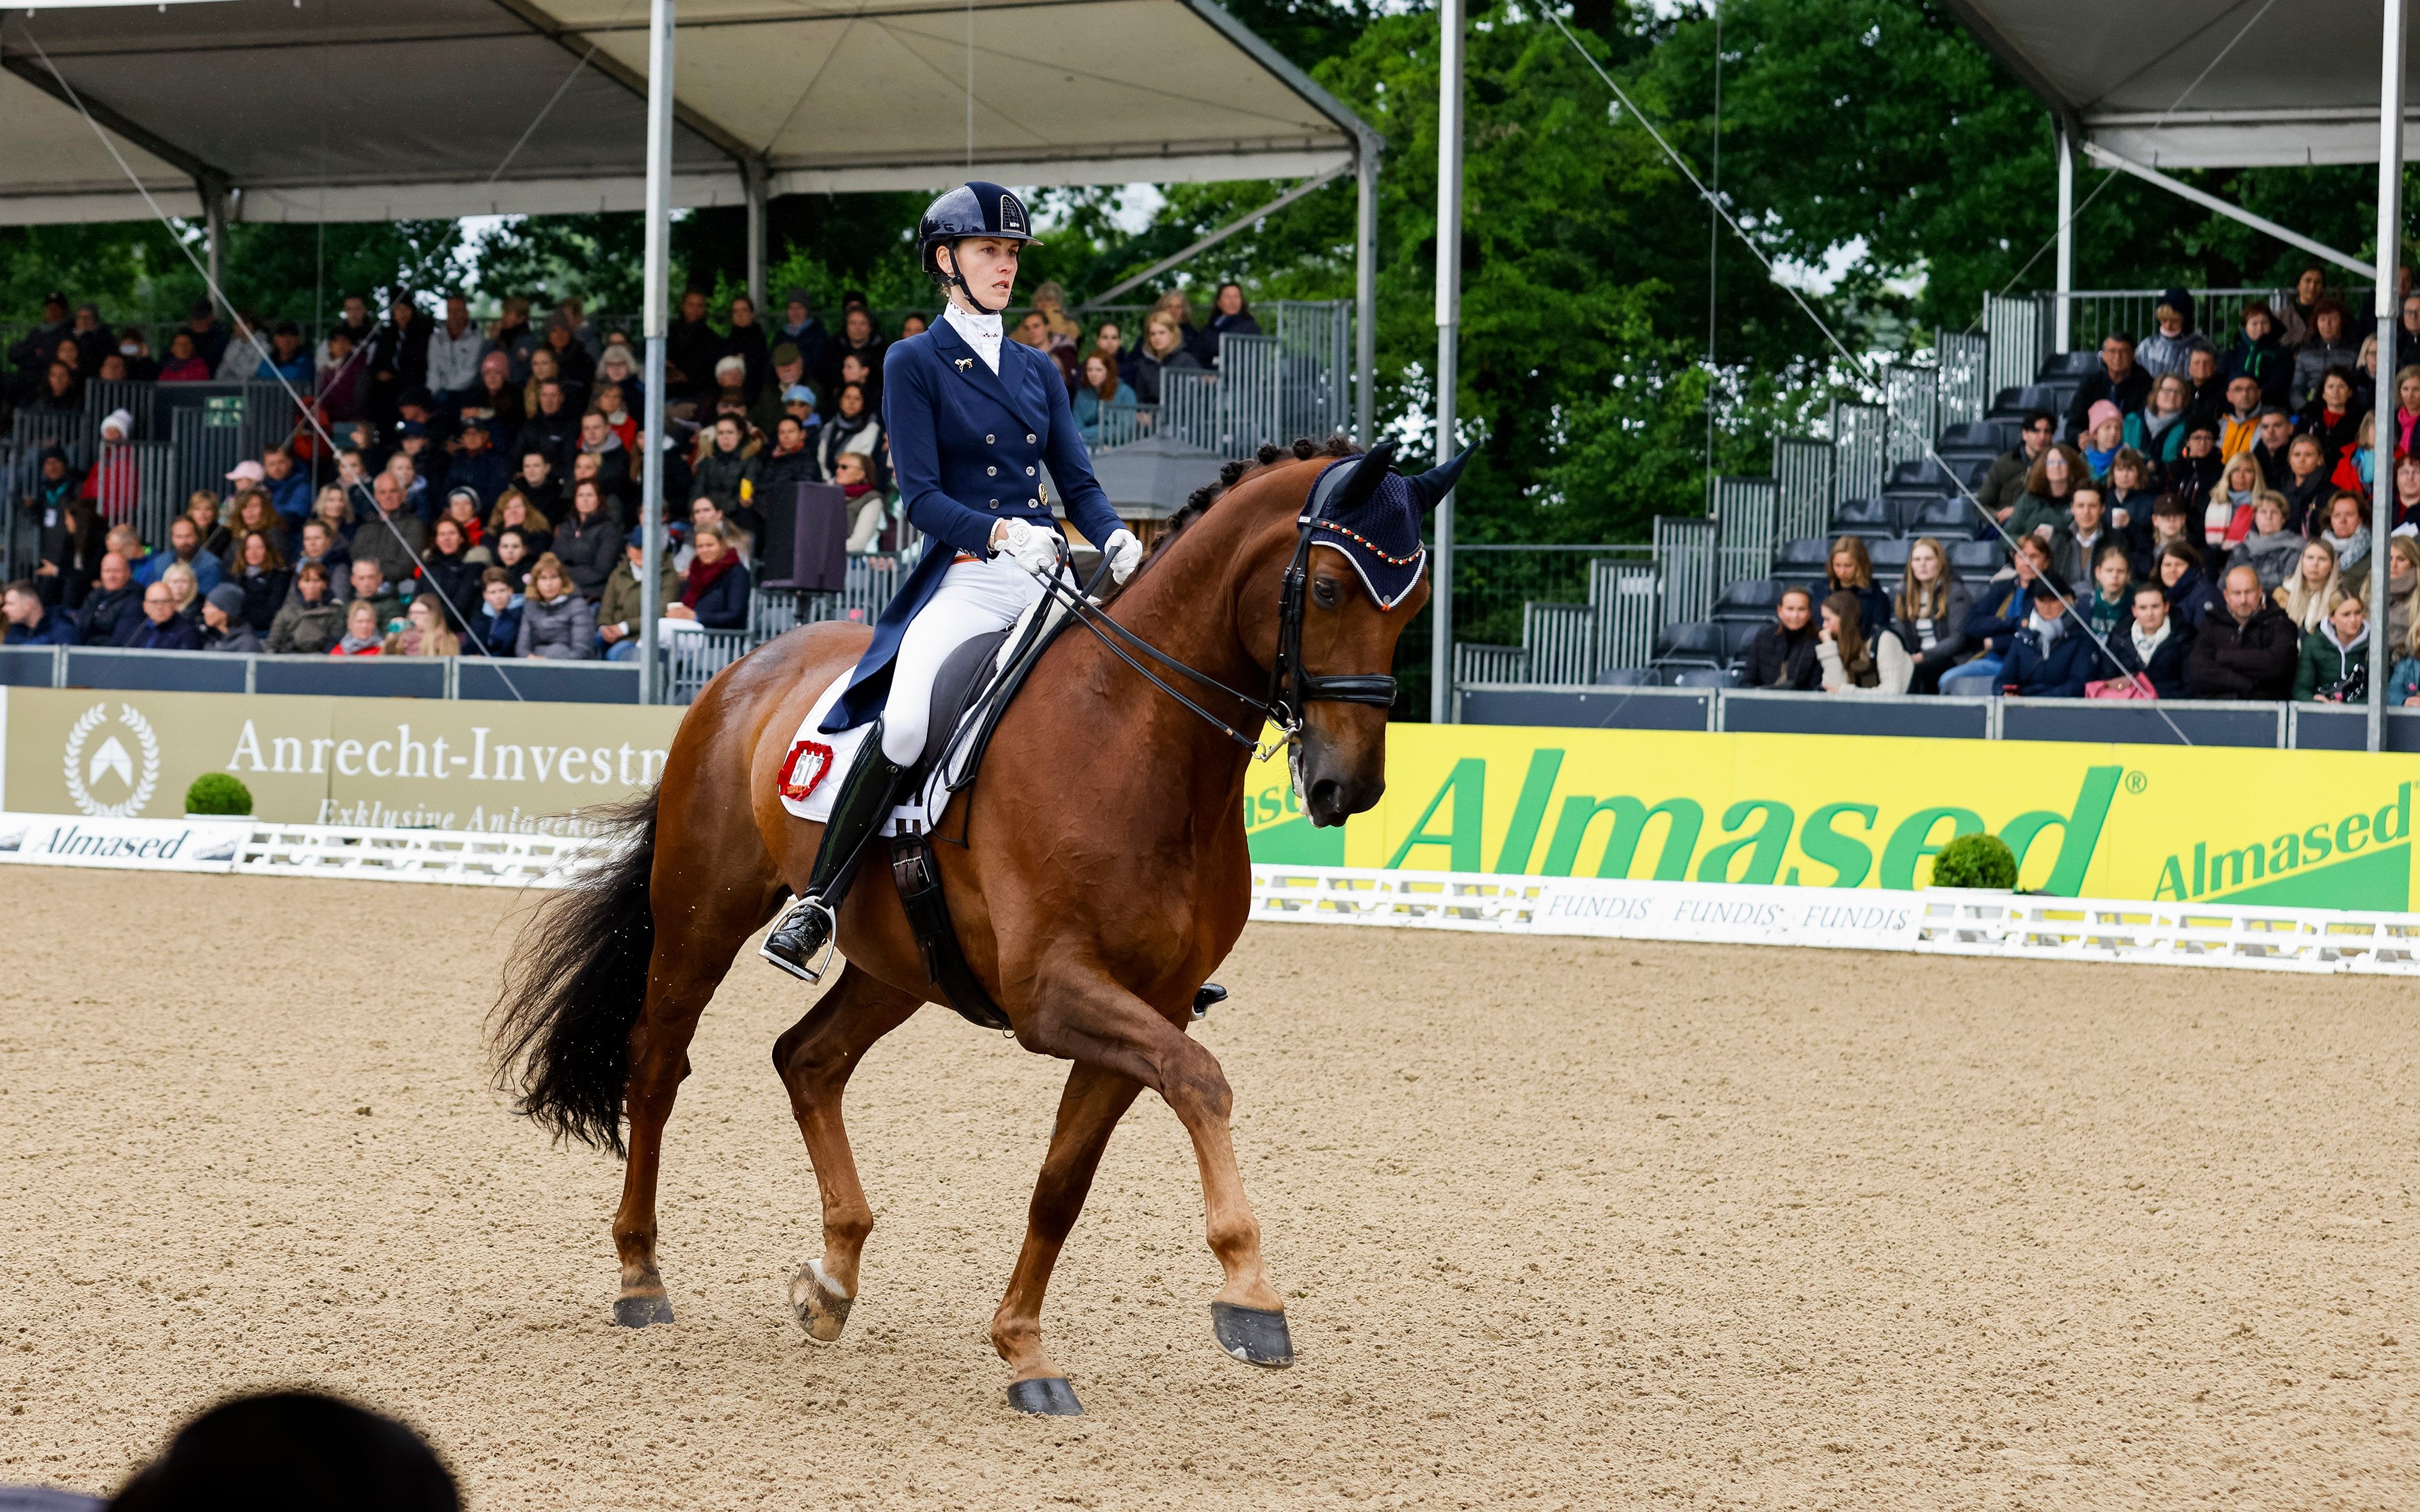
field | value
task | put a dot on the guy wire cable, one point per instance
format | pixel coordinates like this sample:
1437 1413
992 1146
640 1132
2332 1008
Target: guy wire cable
2067 606
308 412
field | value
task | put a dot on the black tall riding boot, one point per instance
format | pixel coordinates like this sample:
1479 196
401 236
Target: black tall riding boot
867 795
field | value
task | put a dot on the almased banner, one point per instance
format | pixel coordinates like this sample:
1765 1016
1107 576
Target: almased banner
2315 830
416 763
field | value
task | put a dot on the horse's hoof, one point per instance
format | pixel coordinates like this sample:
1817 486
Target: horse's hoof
638 1312
1253 1334
818 1305
1049 1397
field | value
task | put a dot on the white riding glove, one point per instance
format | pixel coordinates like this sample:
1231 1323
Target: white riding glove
1030 545
1124 553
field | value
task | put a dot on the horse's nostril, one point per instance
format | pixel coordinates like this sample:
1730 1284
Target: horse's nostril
1326 795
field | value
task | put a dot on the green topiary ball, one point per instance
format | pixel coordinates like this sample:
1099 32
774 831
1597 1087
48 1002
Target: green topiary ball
1975 861
218 792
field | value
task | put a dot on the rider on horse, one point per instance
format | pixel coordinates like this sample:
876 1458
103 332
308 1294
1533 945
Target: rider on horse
972 419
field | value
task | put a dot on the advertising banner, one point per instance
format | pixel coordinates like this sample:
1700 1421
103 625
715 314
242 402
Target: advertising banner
124 845
459 765
2317 829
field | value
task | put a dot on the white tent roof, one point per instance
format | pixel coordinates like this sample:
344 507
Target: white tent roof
2299 86
351 110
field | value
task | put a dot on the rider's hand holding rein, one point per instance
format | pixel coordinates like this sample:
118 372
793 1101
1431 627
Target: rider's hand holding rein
1034 547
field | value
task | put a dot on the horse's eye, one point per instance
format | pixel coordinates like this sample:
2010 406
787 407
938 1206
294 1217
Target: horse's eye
1323 590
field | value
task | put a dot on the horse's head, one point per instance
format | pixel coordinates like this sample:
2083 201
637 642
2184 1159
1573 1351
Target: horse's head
1324 605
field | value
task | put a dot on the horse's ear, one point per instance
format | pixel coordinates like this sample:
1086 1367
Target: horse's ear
1430 489
1361 483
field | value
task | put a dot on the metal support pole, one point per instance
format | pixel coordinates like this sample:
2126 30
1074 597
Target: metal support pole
1449 317
659 277
752 174
2059 310
2390 239
1365 287
214 229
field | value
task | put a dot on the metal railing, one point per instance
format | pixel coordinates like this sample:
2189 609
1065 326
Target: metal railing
1909 394
1802 468
1965 380
1685 554
1749 514
2016 333
1859 446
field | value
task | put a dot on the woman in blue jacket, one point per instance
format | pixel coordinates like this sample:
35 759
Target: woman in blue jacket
972 419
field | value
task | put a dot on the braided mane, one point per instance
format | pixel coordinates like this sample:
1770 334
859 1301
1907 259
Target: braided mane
1303 450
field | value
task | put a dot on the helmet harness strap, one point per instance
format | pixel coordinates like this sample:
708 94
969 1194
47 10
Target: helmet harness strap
957 279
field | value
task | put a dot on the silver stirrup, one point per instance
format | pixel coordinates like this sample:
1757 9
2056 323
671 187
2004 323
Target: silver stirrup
815 974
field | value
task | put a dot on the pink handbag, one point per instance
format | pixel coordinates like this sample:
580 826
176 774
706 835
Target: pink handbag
2136 686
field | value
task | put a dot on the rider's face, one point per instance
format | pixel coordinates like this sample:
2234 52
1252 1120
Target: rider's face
989 265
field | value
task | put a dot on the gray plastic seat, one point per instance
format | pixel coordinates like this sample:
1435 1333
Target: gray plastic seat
1942 515
1970 558
1751 599
1626 677
1803 556
1889 556
1736 636
1702 678
1694 640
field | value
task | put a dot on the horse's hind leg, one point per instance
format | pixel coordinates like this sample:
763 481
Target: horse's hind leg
1090 1108
814 1058
694 945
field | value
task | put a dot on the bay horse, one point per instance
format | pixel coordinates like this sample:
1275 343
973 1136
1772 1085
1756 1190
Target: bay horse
1103 878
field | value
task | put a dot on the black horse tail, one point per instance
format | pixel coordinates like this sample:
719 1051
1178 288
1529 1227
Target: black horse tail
560 1033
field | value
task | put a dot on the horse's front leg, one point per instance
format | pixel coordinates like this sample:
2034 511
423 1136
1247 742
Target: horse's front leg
1090 1108
1076 1011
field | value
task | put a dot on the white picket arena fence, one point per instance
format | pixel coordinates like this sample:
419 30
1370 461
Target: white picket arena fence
1935 921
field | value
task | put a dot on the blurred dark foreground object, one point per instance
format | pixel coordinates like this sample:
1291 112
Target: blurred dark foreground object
291 1452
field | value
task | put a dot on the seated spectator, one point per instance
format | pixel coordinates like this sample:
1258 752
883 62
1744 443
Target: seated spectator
1163 352
115 599
2104 435
365 633
222 623
496 629
1931 610
2248 649
2402 587
2334 662
135 350
369 586
185 548
2197 468
2346 531
463 507
515 555
319 548
2129 492
2119 382
1850 570
725 466
2270 444
2207 376
558 623
2332 415
396 540
2325 347
251 512
342 378
2168 351
2153 528
716 596
2191 597
618 613
115 485
2105 603
589 544
454 567
202 508
160 627
185 587
619 391
2357 469
1996 618
2403 511
791 462
871 530
851 428
185 364
2307 595
2257 355
2051 656
1104 403
312 620
405 465
2407 408
2043 508
287 359
2006 482
260 577
2153 650
426 632
2238 423
2271 550
1783 653
515 512
2228 518
1853 661
2076 545
31 623
333 511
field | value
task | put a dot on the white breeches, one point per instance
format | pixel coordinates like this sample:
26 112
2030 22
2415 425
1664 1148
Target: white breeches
974 597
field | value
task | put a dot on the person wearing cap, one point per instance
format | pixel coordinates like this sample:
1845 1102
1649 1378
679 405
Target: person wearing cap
2051 656
618 611
34 352
454 348
973 418
798 403
224 626
476 467
801 330
287 360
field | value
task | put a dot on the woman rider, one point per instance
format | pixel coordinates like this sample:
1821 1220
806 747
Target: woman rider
972 419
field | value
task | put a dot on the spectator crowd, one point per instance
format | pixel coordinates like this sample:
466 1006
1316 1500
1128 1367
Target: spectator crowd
2194 526
451 486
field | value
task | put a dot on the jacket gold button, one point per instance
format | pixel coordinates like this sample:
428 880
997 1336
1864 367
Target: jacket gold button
991 441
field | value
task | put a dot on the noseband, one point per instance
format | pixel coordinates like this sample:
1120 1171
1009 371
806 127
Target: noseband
1293 687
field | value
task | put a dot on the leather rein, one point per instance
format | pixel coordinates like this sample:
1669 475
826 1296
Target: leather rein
1292 687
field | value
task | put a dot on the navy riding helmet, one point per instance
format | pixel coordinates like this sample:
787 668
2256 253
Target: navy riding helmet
975 210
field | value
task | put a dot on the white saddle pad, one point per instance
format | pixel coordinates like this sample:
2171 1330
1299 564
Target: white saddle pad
811 774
